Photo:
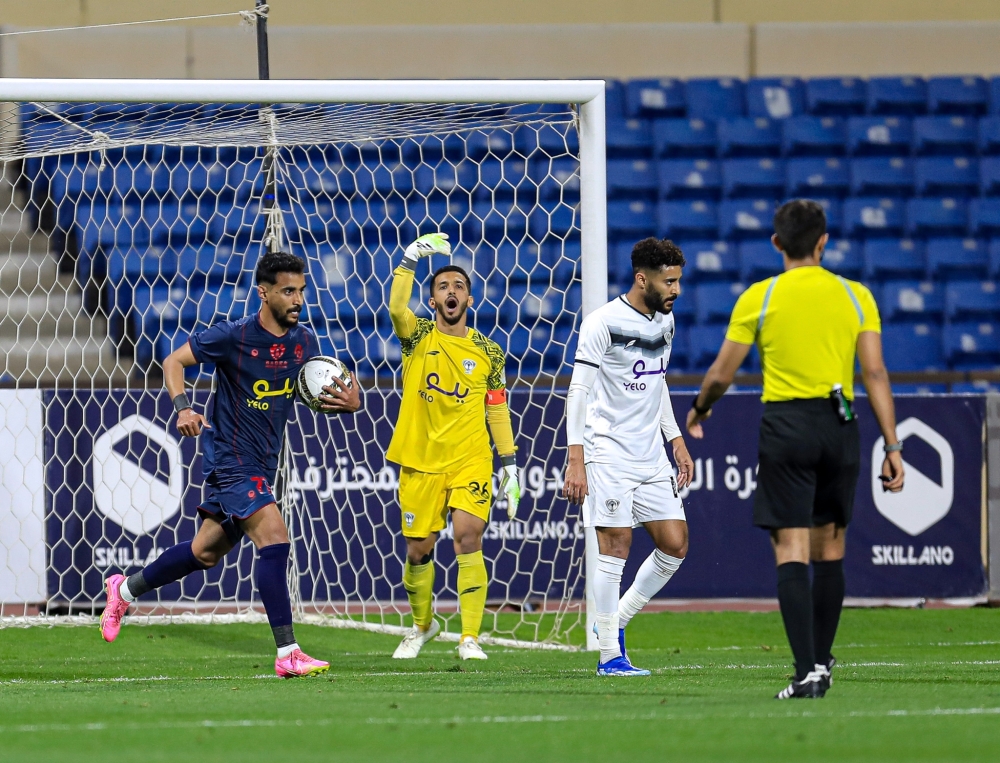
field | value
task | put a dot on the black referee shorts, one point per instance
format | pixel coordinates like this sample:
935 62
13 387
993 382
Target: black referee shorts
809 465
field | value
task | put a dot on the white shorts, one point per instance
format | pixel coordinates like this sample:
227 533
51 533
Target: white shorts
628 498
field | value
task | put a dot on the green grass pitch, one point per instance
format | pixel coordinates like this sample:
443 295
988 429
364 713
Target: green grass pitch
912 685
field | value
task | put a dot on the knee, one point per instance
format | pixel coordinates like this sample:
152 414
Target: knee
468 543
676 549
208 557
419 550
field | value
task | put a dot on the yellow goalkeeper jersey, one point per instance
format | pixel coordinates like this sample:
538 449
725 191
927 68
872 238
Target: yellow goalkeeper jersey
447 383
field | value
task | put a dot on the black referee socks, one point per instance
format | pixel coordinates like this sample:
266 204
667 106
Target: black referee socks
795 600
828 600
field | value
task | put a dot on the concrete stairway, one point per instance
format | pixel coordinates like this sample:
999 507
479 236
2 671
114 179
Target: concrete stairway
45 336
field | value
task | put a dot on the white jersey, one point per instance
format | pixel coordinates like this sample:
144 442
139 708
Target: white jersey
631 352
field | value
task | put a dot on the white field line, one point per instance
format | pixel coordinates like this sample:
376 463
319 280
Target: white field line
35 728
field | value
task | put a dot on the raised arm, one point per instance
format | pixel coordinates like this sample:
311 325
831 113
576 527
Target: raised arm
189 423
404 322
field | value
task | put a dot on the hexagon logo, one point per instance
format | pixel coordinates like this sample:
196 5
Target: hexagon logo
126 493
922 502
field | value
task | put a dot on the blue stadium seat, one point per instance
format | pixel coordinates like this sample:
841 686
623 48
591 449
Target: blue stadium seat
972 344
614 99
834 210
844 258
993 87
632 179
813 136
775 98
128 267
936 217
481 143
746 218
945 135
994 257
912 347
959 257
759 259
807 176
714 98
988 140
189 223
882 175
704 343
835 95
715 301
957 95
563 220
879 136
872 216
496 221
652 98
989 175
678 219
382 180
502 178
971 299
974 388
689 178
749 136
684 306
710 260
920 390
957 175
629 138
894 257
984 217
753 177
684 138
904 300
556 178
900 96
636 219
680 351
549 139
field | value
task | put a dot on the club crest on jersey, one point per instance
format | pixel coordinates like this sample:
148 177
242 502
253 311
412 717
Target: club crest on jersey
299 352
408 518
469 366
277 351
612 505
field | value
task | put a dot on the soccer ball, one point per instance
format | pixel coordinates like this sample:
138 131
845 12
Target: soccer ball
317 373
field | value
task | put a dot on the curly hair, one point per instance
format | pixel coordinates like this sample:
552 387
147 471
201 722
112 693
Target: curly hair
655 253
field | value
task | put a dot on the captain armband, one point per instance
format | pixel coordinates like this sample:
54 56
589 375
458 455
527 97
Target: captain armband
496 396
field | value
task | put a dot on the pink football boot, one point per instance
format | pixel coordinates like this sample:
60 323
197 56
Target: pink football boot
299 664
114 610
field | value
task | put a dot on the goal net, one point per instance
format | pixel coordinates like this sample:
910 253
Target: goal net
133 214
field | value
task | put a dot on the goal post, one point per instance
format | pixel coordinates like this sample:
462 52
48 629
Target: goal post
324 121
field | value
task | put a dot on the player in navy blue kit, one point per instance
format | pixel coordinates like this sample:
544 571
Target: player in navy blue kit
257 361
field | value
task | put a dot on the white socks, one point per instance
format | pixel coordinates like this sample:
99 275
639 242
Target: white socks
607 587
124 592
284 651
652 576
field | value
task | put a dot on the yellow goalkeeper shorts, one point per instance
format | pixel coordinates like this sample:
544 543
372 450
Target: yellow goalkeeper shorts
425 499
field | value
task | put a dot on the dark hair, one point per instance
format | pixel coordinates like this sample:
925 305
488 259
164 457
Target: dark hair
654 253
273 263
799 225
451 269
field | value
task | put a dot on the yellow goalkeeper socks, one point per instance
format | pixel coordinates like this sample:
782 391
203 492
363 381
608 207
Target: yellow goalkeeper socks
418 580
472 585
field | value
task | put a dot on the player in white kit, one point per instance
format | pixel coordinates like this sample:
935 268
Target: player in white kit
617 408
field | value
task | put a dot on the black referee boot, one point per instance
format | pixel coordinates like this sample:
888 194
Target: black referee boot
810 687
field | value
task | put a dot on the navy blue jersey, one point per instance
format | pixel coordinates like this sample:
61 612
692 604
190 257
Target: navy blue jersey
254 394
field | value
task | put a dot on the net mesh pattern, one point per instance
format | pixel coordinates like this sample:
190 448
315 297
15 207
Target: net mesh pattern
131 226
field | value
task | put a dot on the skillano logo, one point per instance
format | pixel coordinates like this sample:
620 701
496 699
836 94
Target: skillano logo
128 494
922 502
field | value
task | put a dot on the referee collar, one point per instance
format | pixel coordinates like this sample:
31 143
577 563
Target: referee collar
647 317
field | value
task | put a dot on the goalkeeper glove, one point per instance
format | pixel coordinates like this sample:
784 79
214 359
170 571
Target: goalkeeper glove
511 487
429 243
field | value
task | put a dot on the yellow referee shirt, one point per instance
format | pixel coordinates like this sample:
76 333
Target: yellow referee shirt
805 323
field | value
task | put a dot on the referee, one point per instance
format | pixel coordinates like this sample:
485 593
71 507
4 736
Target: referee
808 325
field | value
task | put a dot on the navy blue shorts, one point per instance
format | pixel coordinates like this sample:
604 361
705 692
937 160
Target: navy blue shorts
236 496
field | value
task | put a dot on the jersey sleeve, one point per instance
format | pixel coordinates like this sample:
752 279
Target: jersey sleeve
746 314
870 320
213 344
594 341
497 380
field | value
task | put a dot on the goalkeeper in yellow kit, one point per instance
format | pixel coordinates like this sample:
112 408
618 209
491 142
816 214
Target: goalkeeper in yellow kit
453 384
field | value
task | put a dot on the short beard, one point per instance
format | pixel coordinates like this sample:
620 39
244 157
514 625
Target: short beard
283 319
451 321
653 302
